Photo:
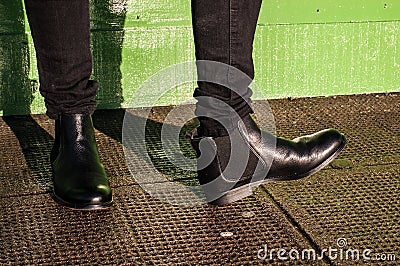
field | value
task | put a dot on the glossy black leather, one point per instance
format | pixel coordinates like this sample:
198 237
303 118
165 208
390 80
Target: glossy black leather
293 159
266 157
79 178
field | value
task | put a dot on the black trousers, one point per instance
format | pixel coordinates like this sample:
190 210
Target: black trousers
223 32
60 31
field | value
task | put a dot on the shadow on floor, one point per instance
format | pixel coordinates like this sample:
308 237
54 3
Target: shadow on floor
36 144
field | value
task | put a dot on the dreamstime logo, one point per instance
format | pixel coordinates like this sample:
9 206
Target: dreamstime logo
341 242
137 150
341 252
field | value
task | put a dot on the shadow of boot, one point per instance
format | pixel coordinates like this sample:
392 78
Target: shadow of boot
36 144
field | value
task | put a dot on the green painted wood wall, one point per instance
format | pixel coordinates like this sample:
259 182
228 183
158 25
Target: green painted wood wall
302 48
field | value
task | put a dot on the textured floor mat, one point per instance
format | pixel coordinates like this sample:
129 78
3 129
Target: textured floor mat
360 206
139 230
356 199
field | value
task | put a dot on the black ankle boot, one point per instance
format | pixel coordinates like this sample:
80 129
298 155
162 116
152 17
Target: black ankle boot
258 157
79 178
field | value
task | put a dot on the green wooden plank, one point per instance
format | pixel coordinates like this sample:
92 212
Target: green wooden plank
328 59
177 12
11 17
149 50
298 51
15 86
328 11
290 60
158 13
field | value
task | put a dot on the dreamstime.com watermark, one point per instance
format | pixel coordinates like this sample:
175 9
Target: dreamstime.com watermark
339 253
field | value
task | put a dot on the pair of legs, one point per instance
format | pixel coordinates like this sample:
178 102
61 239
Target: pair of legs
223 32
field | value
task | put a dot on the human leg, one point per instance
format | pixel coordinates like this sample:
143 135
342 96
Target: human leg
235 156
61 35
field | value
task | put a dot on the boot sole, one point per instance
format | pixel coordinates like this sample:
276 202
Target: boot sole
247 189
87 207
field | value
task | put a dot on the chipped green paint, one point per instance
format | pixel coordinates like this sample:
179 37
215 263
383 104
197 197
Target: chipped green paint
328 48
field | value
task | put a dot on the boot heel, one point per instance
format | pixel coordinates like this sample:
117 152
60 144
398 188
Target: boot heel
233 195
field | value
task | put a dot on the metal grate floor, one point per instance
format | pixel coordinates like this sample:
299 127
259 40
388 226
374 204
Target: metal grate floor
357 198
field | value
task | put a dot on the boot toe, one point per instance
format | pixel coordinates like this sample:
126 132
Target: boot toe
84 199
324 147
79 196
96 197
327 143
